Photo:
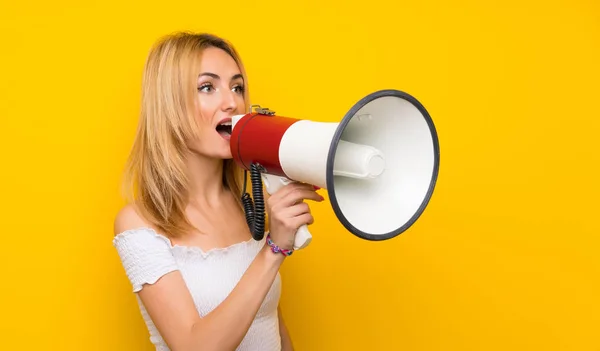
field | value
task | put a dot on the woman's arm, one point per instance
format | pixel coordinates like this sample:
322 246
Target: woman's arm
170 305
286 340
172 309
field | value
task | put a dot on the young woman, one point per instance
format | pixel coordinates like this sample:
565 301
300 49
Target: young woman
202 282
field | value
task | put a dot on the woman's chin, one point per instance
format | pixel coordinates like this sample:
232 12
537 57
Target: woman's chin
226 154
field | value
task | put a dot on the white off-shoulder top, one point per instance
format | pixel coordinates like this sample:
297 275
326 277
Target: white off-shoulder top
210 276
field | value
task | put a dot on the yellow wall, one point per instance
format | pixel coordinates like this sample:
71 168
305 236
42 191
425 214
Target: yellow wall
505 257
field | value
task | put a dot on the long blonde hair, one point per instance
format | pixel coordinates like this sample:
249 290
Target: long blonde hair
155 176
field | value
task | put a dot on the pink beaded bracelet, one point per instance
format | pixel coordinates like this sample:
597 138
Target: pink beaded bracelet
276 248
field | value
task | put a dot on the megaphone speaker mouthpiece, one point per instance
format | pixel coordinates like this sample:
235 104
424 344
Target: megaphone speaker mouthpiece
358 161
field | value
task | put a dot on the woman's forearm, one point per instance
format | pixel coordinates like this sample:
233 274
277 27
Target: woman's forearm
171 307
225 327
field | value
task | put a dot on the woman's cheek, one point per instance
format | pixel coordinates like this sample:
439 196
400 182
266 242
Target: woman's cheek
207 109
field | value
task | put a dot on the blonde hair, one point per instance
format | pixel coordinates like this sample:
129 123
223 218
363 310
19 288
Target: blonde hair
155 174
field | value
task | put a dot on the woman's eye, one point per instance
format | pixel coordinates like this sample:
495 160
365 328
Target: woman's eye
205 88
238 89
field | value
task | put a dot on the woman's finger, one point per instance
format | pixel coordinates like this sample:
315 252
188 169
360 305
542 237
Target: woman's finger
286 190
295 210
298 196
306 218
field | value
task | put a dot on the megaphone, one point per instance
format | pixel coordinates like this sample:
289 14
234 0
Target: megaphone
379 164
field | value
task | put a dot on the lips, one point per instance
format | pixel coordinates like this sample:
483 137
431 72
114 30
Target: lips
224 128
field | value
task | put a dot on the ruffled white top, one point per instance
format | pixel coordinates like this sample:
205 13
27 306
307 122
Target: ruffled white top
210 276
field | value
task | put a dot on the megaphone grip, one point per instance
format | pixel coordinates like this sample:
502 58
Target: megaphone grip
303 237
272 184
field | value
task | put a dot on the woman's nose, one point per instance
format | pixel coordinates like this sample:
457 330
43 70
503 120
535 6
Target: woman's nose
228 102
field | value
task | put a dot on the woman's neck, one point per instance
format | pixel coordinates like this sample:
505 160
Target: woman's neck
206 180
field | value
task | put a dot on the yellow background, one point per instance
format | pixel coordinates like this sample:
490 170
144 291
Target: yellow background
506 257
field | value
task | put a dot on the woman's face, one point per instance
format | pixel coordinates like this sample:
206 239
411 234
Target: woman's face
220 96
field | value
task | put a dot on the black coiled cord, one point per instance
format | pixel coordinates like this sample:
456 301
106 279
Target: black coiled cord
254 210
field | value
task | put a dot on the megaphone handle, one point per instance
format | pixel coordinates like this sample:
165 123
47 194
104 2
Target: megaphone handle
303 237
272 184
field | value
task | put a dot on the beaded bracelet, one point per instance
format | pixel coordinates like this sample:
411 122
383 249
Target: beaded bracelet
276 248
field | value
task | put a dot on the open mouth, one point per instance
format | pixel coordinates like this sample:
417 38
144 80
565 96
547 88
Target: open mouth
224 129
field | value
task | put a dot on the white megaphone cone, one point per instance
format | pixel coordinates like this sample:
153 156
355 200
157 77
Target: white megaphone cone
379 165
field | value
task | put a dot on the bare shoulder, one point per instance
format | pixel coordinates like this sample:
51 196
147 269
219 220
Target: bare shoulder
128 218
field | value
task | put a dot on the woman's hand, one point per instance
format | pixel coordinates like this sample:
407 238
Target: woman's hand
287 212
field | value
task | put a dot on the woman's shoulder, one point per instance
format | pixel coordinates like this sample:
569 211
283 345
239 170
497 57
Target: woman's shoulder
132 232
127 219
145 254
